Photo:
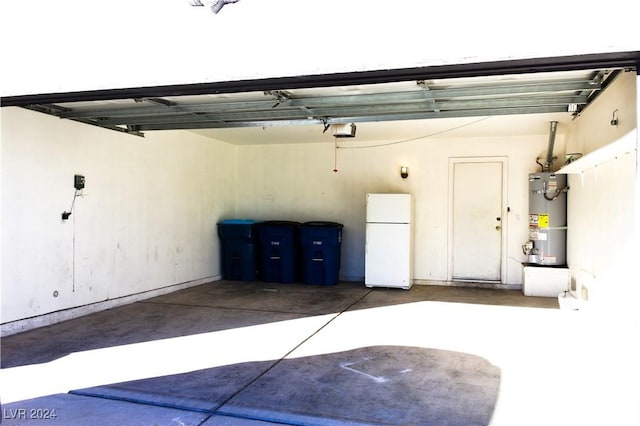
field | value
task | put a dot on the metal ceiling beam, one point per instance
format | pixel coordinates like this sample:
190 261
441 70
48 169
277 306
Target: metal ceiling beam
428 95
609 60
56 110
455 105
353 119
439 99
480 91
605 78
285 98
157 101
337 111
315 102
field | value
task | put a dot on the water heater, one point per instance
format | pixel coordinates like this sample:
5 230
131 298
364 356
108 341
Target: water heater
548 218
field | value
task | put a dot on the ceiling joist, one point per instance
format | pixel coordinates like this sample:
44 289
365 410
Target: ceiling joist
546 88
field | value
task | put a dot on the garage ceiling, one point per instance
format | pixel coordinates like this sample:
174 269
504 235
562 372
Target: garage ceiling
563 85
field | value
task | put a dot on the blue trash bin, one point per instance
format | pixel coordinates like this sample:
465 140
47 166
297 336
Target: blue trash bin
238 254
279 241
321 245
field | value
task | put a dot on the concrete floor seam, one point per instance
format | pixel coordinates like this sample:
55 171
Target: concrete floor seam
210 413
276 362
228 308
80 392
292 350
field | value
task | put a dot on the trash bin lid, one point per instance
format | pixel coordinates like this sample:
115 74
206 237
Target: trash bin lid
324 224
238 222
279 223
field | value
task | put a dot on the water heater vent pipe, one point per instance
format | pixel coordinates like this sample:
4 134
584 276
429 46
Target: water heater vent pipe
552 139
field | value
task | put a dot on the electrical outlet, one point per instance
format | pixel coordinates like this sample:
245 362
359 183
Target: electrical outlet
78 182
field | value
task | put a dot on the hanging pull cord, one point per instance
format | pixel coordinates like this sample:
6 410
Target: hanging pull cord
335 155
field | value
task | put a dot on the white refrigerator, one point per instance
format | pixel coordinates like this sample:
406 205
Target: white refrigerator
389 241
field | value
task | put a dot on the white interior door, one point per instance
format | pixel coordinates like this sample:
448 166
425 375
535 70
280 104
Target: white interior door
476 220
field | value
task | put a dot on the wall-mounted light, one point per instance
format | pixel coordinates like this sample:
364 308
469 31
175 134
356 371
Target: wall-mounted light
404 172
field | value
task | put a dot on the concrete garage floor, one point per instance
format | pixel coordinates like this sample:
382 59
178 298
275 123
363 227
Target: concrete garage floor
237 353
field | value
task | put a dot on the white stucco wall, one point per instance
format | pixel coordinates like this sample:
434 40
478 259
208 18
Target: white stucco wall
602 246
297 182
592 129
147 219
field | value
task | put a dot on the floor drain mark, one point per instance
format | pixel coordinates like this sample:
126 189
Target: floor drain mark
377 379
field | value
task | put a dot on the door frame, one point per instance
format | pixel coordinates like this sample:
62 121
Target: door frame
504 211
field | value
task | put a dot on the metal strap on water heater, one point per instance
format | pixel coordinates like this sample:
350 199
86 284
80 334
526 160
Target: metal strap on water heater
558 191
545 191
